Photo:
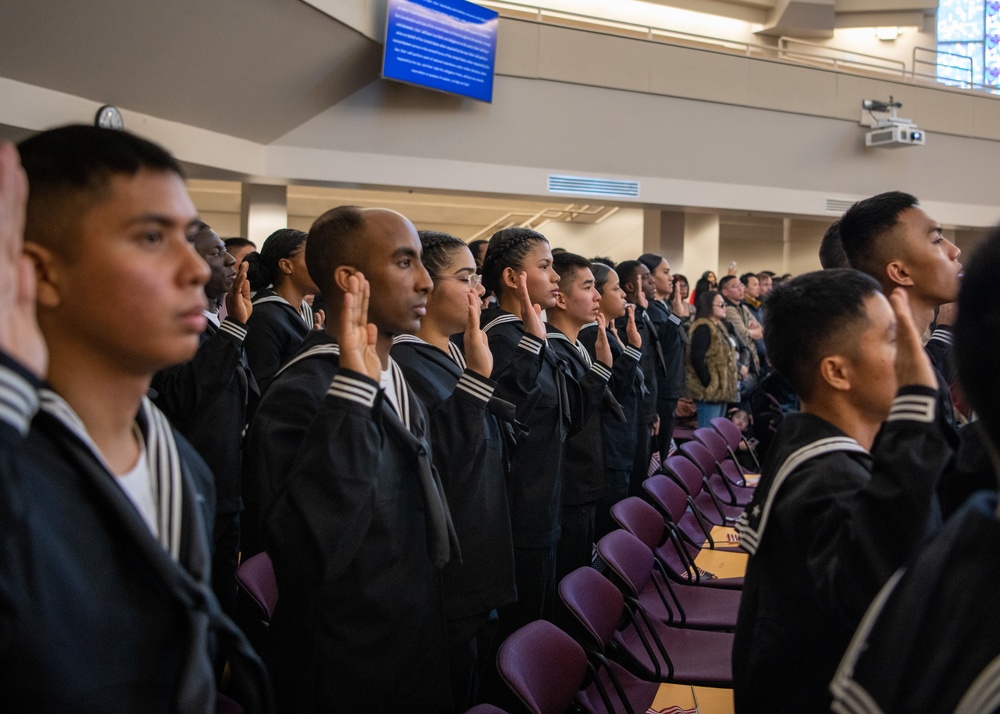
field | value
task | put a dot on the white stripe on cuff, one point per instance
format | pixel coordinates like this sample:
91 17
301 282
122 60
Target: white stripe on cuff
353 390
913 407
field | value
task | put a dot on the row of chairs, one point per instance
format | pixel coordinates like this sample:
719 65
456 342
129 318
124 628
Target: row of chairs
655 616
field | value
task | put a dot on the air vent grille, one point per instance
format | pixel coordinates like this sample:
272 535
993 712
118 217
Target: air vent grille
586 186
838 205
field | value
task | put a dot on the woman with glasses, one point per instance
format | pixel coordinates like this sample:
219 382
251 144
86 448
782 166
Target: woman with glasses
468 450
712 372
281 317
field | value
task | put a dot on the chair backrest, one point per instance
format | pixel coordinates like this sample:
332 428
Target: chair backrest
667 495
544 667
485 709
728 431
594 601
256 576
714 442
686 473
701 456
630 560
640 519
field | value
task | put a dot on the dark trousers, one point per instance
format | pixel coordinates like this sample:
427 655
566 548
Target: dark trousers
641 464
577 540
665 408
470 640
617 490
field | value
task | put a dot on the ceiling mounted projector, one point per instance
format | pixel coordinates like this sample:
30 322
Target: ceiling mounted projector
890 131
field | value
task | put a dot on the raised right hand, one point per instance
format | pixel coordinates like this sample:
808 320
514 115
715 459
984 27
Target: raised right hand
531 314
478 356
631 331
20 336
357 336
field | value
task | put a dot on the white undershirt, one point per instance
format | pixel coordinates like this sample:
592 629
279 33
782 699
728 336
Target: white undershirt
213 317
137 484
388 385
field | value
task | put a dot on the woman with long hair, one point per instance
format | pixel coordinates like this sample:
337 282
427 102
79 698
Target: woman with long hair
712 373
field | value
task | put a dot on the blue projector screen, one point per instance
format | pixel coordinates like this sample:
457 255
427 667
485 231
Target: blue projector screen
448 45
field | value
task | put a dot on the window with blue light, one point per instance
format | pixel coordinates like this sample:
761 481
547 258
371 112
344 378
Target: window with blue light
969 30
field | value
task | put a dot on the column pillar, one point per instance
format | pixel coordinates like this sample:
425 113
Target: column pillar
263 210
701 245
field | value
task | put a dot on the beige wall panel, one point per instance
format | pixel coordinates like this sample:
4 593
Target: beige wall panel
590 58
987 119
517 48
679 72
933 111
852 90
772 85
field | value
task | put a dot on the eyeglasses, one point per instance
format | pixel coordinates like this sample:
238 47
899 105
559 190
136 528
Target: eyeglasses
718 304
473 280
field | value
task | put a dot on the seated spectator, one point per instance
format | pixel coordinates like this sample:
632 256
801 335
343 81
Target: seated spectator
469 451
712 370
209 399
356 521
105 511
841 511
931 639
281 317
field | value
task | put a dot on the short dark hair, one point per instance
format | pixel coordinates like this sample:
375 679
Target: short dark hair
745 278
334 240
977 335
438 249
831 249
603 260
280 244
238 242
508 249
69 169
474 245
725 280
627 270
864 227
704 303
651 260
568 265
601 273
810 315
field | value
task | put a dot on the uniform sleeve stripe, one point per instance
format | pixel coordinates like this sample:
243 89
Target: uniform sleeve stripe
233 328
912 407
18 400
474 385
941 335
601 371
531 343
674 319
633 353
353 390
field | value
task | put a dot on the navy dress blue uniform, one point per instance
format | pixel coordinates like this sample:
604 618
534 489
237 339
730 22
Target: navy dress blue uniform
619 435
209 400
275 331
670 374
97 614
469 452
356 528
930 642
649 364
827 526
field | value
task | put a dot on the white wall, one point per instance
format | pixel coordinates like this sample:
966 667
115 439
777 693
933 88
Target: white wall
618 237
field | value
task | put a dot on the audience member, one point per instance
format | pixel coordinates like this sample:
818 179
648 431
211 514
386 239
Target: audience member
469 452
712 370
746 330
210 398
105 511
356 521
281 318
478 250
842 510
765 280
931 639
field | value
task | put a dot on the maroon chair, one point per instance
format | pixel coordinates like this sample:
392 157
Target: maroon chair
225 705
674 553
734 438
724 458
548 670
485 709
693 526
719 484
635 572
688 476
640 643
256 577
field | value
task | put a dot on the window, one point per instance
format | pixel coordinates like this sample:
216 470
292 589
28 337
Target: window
969 29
